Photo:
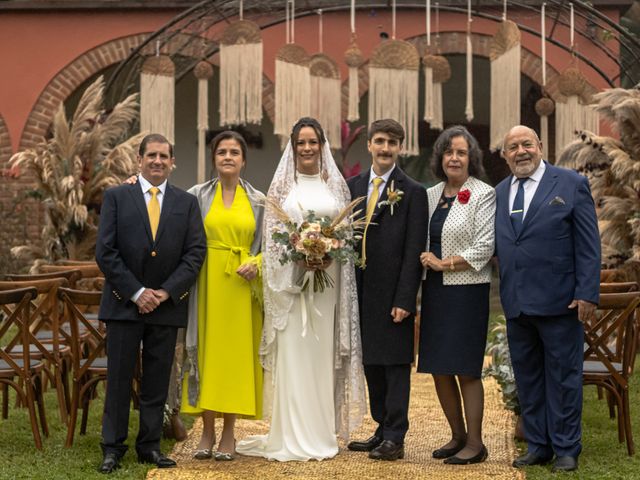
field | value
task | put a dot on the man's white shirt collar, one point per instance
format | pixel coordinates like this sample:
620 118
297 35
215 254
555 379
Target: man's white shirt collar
384 177
536 176
146 185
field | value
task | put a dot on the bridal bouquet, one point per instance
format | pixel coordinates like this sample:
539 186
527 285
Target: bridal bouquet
317 240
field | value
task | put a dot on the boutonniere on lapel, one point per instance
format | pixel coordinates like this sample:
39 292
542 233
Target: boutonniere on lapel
393 197
464 196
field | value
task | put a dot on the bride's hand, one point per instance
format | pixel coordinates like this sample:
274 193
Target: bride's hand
132 180
312 266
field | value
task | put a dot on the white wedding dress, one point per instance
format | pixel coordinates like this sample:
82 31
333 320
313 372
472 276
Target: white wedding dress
303 417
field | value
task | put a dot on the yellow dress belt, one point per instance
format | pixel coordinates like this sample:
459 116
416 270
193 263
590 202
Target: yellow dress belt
236 257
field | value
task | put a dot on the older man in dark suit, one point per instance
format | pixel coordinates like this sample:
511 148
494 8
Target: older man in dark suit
150 247
396 214
548 249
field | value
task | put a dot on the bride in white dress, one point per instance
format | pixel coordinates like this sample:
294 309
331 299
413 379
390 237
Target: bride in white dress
311 341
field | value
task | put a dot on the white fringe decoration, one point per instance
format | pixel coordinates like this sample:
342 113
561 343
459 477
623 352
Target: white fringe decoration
505 95
326 105
544 135
428 94
293 96
468 109
438 121
157 104
571 117
240 84
203 125
354 95
393 94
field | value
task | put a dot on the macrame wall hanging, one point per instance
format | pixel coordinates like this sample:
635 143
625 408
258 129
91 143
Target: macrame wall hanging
241 73
293 81
326 92
505 80
203 71
157 96
574 113
436 72
393 86
354 59
468 109
544 106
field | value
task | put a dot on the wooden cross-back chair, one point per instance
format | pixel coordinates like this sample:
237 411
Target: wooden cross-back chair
89 274
16 305
72 276
45 328
618 287
611 342
89 368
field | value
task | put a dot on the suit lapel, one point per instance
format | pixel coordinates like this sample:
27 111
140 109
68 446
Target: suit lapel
141 205
167 206
433 196
547 184
503 215
360 190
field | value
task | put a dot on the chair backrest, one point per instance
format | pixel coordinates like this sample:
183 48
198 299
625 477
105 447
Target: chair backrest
76 262
609 275
612 337
45 311
619 287
16 305
76 303
72 276
86 271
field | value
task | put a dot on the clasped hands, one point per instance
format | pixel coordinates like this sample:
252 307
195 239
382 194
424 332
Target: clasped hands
150 299
429 260
248 271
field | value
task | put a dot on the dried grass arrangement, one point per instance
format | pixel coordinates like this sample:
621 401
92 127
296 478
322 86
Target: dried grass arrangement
83 157
613 169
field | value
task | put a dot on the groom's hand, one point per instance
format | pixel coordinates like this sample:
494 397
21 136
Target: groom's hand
398 314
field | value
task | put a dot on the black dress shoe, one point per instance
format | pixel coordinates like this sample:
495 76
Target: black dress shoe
565 464
387 450
479 458
156 458
441 453
365 446
110 462
530 459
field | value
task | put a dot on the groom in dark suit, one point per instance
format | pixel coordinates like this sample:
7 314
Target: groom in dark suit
387 286
150 247
548 248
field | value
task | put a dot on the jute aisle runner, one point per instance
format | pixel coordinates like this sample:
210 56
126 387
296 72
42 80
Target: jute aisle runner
427 431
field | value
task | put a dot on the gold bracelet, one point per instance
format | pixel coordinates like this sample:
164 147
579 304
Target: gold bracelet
451 266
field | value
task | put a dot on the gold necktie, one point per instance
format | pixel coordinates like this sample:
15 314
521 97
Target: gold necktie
153 207
371 207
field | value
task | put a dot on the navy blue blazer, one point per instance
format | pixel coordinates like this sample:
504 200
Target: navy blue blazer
556 257
130 259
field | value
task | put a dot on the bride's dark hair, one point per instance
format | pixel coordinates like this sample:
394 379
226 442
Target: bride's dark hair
295 133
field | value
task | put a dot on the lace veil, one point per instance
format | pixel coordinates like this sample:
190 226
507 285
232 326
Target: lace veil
280 291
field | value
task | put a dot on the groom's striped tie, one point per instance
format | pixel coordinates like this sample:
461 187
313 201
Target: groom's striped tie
517 211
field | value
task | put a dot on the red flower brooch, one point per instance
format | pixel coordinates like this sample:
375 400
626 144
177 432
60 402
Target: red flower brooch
463 196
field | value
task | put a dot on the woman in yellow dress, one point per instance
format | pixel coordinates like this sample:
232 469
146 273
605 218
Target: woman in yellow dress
223 371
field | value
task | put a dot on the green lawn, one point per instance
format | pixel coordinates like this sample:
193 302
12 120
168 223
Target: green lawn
19 458
602 456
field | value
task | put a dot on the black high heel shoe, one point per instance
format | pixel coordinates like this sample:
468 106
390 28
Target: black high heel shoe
479 458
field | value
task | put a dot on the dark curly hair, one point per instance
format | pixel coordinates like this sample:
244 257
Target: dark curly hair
443 143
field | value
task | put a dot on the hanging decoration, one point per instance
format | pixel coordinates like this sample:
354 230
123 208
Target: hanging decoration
436 72
393 86
574 113
203 72
326 93
468 109
354 59
157 95
241 73
293 81
544 106
505 80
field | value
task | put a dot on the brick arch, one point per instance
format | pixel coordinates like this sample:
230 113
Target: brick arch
456 43
5 143
86 65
